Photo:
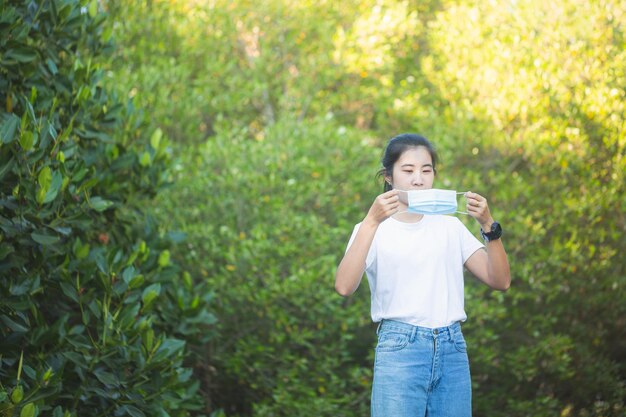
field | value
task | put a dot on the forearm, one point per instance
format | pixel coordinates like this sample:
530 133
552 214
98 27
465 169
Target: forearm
352 266
498 270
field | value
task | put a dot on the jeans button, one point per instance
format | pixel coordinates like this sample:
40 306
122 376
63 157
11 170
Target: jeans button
436 331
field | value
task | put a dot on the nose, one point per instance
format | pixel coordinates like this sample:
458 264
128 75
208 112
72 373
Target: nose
417 179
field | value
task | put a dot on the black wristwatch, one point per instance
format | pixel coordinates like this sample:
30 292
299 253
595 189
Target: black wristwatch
494 234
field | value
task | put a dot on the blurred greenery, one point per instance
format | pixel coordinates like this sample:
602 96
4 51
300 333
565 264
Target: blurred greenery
273 116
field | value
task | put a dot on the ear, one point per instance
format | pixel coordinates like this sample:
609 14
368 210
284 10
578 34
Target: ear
388 180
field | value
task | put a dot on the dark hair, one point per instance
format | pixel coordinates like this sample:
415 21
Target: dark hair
396 147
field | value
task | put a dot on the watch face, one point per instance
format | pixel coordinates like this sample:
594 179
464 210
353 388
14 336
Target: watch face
494 233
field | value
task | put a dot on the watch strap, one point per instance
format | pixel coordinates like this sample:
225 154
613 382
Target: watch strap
494 234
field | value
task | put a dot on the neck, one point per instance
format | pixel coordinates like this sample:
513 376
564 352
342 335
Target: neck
407 217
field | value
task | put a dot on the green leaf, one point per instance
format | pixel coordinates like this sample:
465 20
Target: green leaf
47 375
27 140
17 394
150 293
155 139
164 258
29 410
90 183
20 287
145 159
63 230
80 251
126 319
128 274
83 252
136 282
170 347
93 8
52 131
53 190
134 411
69 290
8 129
106 378
16 327
5 249
100 204
45 240
52 66
31 112
45 177
22 55
148 339
7 167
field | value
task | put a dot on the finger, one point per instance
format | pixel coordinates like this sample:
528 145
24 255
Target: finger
391 199
474 196
390 193
391 210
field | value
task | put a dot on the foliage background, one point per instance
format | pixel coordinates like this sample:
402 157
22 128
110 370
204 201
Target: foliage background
276 114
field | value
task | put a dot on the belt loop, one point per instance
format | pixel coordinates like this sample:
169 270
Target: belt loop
380 323
454 328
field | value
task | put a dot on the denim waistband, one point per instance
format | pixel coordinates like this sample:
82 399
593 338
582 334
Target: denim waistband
398 326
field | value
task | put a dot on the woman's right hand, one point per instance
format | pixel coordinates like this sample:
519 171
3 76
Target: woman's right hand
383 206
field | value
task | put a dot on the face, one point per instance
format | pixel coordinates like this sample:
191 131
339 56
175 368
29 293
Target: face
413 170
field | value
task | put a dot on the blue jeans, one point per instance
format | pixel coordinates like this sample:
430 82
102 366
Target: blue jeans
421 372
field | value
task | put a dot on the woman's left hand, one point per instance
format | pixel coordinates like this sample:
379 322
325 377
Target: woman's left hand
478 208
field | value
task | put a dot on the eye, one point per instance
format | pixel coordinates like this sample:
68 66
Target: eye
408 171
427 171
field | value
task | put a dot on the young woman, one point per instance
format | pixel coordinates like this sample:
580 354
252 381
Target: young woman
414 264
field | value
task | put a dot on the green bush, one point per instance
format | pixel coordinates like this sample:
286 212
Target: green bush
266 223
95 316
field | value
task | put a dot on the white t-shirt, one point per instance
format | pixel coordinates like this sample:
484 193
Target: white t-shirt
415 270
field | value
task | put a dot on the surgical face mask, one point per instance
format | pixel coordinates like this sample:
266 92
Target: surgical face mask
431 201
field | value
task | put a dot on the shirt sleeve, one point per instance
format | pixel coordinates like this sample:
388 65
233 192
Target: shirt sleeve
355 230
469 242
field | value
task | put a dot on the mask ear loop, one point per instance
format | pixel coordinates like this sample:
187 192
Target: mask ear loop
462 212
